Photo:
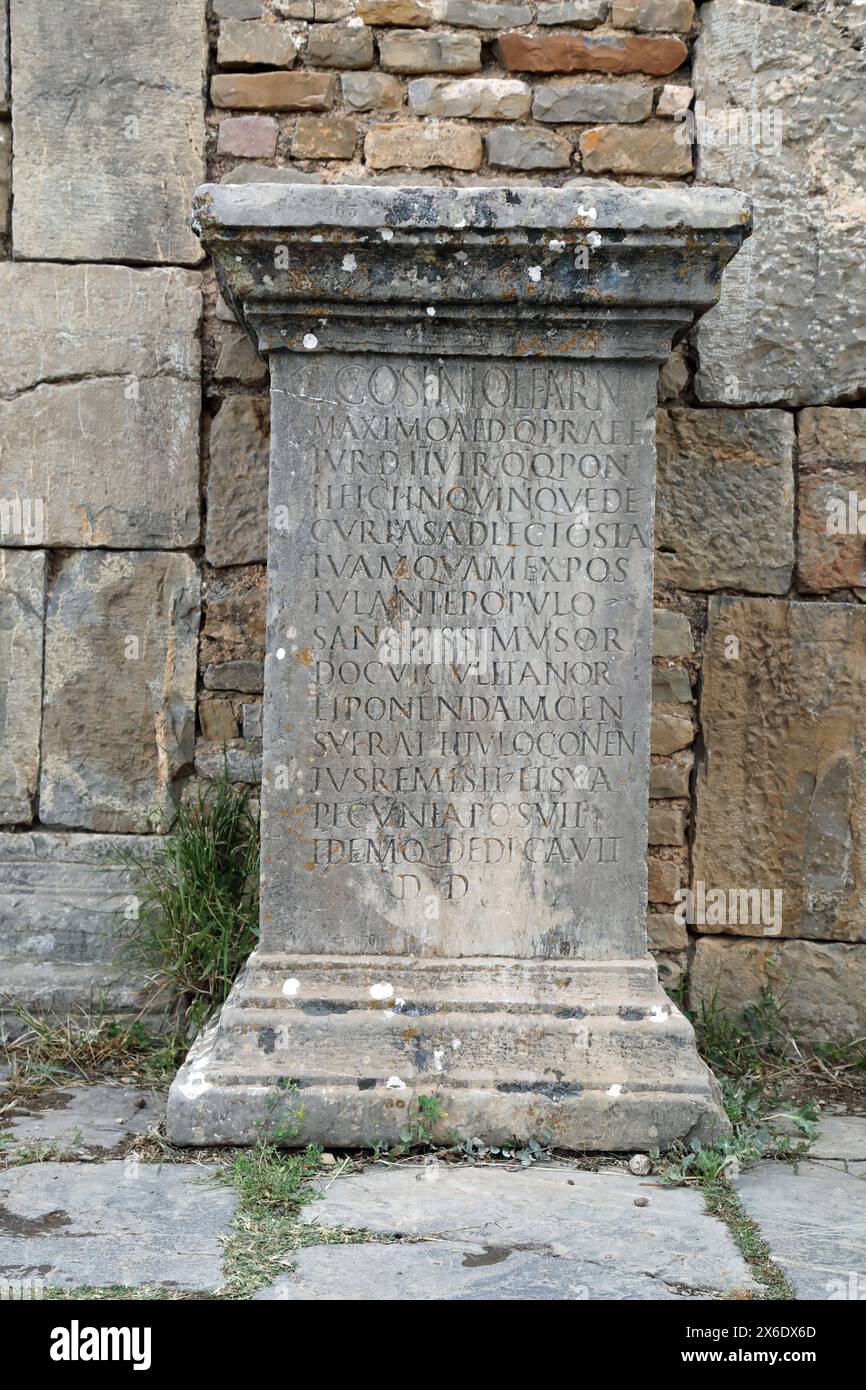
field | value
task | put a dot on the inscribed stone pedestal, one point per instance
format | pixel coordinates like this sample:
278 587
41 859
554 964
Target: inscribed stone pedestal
456 712
108 118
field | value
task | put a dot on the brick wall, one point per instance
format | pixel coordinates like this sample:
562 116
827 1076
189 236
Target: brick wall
135 414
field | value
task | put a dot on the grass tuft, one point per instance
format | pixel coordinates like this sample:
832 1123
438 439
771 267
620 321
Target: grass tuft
198 915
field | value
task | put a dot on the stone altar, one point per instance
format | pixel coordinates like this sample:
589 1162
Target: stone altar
457 679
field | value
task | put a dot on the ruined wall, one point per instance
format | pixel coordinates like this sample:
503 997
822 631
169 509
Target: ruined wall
134 421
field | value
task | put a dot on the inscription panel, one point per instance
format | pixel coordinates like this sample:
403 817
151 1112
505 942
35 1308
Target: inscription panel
460 580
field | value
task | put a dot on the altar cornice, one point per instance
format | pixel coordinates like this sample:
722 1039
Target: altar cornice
590 270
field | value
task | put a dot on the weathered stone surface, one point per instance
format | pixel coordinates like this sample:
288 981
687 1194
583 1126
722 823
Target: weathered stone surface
115 1223
663 880
328 10
592 101
324 137
238 359
234 623
670 733
821 984
782 791
437 144
123 622
63 901
247 676
106 169
519 147
274 91
251 137
409 13
672 633
4 59
293 9
22 612
565 1214
482 14
831 500
574 53
674 375
445 1271
789 93
671 776
240 763
244 9
5 175
670 16
244 44
583 14
627 149
252 720
831 437
667 825
725 503
371 91
409 51
840 1137
828 558
813 1218
665 933
340 46
671 685
85 1117
101 365
674 99
218 722
263 173
485 98
238 481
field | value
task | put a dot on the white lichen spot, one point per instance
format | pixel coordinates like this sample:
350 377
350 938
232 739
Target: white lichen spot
386 234
310 341
591 213
395 1084
399 1003
431 312
356 22
349 262
438 1058
381 991
456 1044
593 239
615 1089
556 246
658 1013
280 653
291 987
535 273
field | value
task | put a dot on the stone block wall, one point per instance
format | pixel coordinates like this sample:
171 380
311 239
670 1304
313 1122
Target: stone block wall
134 418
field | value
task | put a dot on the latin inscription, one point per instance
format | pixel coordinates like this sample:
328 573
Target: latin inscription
471 547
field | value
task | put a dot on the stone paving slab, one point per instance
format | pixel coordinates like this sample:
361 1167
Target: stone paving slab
97 1117
840 1136
813 1218
446 1271
75 1224
589 1220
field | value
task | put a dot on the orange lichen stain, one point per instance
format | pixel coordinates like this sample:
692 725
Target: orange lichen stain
309 865
402 570
408 1034
282 811
304 656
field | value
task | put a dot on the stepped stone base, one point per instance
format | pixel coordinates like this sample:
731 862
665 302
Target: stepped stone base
589 1055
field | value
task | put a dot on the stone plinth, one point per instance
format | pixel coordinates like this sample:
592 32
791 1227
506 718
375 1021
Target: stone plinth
457 680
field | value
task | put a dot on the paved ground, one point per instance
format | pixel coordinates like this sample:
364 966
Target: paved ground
78 1209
